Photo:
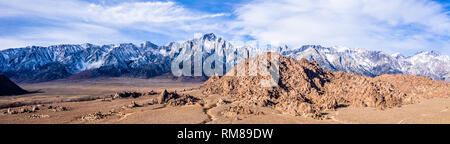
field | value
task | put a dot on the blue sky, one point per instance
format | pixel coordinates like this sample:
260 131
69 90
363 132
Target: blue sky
405 26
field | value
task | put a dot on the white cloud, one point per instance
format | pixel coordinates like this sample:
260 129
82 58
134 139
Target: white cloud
12 43
75 21
50 9
394 25
73 33
151 12
405 26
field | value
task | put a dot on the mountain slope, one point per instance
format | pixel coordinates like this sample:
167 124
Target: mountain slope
430 64
7 87
374 63
37 64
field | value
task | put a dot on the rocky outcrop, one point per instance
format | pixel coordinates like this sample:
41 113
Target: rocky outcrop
304 88
175 99
418 86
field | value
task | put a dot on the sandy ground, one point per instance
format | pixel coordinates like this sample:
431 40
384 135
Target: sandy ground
70 94
68 90
435 111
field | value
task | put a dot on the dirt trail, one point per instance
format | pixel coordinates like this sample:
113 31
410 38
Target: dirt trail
210 102
207 112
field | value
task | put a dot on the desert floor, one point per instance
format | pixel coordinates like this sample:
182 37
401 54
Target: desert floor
86 101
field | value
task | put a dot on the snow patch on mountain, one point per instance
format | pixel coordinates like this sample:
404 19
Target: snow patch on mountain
36 63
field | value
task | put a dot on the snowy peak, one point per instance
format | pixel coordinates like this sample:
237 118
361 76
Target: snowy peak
149 45
36 63
428 53
398 56
209 37
374 63
428 56
283 48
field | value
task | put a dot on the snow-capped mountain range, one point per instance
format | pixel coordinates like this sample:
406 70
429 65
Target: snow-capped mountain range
373 63
37 64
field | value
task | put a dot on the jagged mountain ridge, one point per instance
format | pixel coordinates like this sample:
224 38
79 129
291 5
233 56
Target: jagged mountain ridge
373 63
37 64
